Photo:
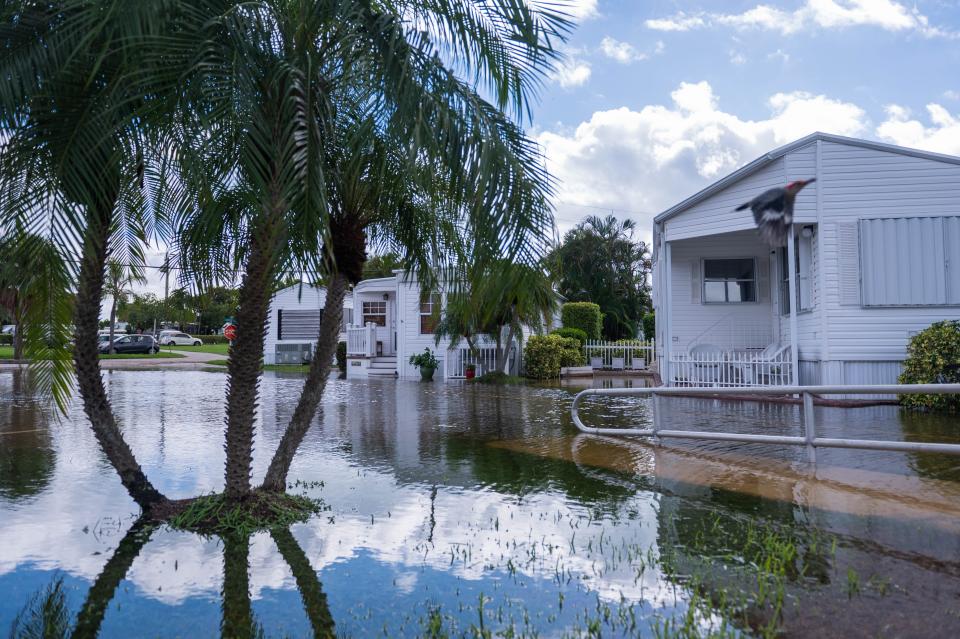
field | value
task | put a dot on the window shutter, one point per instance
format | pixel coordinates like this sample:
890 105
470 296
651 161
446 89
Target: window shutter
695 286
848 263
763 279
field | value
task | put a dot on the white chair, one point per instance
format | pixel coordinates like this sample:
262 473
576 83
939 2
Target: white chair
767 363
706 360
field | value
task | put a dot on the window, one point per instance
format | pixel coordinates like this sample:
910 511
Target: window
375 312
429 309
910 261
729 281
803 262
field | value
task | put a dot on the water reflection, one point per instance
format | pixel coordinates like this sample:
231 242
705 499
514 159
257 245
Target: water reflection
46 614
26 452
451 504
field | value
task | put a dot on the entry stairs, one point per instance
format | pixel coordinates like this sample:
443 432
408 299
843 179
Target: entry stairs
383 367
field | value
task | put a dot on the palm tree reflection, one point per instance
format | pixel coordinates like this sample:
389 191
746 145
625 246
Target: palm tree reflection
46 614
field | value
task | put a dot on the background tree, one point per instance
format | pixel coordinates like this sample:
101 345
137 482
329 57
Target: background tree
381 265
600 261
119 286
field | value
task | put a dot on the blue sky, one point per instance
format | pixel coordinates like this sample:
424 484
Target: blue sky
657 99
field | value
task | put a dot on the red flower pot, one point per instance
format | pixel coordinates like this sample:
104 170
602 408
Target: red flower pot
471 373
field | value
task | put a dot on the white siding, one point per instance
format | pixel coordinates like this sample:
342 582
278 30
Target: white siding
301 298
716 214
409 339
859 183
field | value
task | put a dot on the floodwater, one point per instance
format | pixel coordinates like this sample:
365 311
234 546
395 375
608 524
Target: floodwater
469 510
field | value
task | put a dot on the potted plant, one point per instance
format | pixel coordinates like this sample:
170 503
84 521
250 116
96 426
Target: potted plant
426 362
470 371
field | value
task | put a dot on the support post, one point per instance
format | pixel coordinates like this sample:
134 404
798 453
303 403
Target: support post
792 272
656 417
666 371
809 427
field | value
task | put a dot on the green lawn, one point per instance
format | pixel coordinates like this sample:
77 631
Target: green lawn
288 368
219 349
6 352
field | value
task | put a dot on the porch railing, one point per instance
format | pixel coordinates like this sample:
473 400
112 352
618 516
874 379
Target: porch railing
721 369
623 355
485 359
362 341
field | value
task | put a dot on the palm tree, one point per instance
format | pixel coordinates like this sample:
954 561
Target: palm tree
118 285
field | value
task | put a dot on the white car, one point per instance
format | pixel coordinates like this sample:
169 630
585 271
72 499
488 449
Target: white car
178 339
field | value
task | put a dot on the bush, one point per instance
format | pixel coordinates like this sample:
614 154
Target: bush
544 355
933 356
571 333
342 356
649 326
212 339
6 339
583 315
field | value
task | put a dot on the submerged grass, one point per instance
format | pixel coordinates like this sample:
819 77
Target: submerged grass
499 378
262 510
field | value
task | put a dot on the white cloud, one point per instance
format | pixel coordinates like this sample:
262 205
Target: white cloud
737 58
942 136
577 10
645 161
826 14
571 71
622 52
779 54
950 94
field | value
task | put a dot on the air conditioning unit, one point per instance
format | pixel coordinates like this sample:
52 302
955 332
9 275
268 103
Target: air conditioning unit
294 353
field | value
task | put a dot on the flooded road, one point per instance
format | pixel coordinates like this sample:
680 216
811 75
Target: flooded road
470 510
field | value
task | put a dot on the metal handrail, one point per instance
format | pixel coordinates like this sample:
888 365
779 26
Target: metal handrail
809 440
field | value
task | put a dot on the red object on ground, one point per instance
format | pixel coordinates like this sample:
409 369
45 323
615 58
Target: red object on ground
230 332
470 373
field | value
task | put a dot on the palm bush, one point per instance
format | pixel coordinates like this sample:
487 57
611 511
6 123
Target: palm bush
933 356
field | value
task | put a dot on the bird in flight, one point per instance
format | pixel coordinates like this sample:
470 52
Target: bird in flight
773 211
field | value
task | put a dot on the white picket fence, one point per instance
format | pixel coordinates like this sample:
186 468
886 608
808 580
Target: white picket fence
625 355
485 359
729 369
362 341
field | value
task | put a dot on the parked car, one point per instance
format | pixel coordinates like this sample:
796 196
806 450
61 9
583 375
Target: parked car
131 344
176 338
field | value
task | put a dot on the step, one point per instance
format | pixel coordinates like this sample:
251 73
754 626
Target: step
391 365
381 372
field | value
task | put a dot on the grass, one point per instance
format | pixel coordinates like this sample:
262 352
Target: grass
218 349
499 378
213 514
6 352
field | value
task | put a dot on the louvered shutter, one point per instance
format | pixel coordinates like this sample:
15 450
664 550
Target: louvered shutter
299 324
848 263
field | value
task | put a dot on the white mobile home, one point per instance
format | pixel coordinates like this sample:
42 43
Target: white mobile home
294 323
393 320
875 257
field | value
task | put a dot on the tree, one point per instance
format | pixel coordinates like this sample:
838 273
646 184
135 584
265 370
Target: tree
382 266
118 285
599 261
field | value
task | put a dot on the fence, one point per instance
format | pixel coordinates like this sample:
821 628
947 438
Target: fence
485 359
728 369
622 355
809 440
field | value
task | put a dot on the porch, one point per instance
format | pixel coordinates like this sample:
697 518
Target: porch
724 317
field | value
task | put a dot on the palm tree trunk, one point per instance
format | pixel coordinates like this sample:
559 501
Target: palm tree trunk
113 320
246 356
314 599
313 387
87 362
503 351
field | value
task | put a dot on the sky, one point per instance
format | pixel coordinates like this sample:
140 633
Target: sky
657 99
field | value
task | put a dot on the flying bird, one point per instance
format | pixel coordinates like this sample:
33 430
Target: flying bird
773 211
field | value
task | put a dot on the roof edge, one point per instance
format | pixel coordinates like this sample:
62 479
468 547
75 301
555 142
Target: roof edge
779 152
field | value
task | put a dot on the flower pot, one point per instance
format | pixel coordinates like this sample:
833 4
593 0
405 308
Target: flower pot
470 373
426 373
618 363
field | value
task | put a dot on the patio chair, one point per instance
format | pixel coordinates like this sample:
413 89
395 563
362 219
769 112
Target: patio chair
756 367
706 372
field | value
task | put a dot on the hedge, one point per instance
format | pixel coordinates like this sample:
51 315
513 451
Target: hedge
342 356
933 356
6 339
649 325
544 355
212 339
572 333
583 315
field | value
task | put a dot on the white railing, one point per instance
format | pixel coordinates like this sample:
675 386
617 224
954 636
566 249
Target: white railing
625 355
809 439
362 341
484 358
731 369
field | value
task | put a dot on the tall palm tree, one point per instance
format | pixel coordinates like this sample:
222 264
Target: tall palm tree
119 286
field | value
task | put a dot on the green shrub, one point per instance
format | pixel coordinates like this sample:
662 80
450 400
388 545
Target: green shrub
583 315
933 356
342 356
649 325
6 339
212 339
544 355
572 333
